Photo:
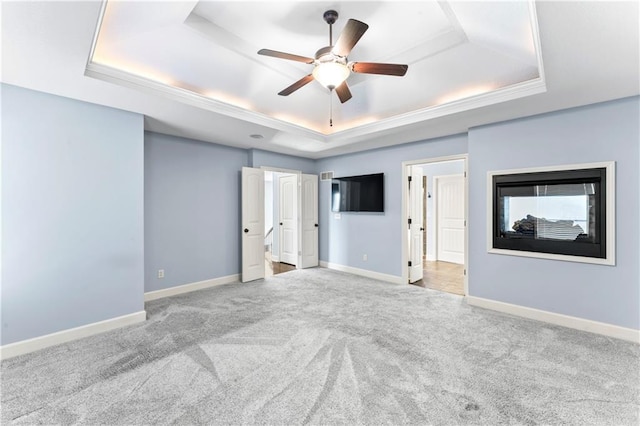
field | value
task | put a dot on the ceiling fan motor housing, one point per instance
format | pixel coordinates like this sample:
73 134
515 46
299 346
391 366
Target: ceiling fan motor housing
330 17
326 55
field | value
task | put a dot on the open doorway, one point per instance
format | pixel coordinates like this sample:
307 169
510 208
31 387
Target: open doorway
280 222
302 207
434 205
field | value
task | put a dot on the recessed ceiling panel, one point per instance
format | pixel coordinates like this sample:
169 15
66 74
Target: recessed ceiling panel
205 53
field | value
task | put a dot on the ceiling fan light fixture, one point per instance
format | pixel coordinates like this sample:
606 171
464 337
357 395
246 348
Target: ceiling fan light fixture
331 74
331 65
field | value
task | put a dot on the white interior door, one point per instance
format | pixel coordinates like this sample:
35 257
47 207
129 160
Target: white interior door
416 230
450 218
252 224
289 219
309 212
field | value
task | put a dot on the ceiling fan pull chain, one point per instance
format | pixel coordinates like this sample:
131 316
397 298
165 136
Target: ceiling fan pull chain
330 110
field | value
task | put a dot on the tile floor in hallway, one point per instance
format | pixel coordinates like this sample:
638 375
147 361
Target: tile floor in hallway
443 276
274 268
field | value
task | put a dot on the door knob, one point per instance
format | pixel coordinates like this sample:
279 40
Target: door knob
280 223
421 228
316 225
246 230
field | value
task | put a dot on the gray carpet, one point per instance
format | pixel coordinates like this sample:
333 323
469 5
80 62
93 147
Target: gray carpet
324 347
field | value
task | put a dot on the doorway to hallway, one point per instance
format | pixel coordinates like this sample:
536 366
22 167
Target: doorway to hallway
434 217
258 238
281 225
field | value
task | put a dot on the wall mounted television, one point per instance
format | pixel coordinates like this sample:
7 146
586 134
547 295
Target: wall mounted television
358 193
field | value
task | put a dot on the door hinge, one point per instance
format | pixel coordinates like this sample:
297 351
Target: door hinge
465 174
409 263
465 272
409 220
410 178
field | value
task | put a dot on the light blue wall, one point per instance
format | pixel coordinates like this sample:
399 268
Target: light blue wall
259 158
73 230
192 210
602 132
378 235
72 213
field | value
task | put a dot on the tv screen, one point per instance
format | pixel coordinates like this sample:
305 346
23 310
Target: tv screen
358 193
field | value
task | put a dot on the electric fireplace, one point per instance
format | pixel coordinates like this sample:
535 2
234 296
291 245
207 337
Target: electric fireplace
559 213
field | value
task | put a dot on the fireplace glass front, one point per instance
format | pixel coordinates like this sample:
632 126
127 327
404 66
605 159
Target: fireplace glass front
559 212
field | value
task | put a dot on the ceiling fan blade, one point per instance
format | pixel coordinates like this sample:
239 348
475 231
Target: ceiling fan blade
295 86
378 68
282 55
343 92
349 37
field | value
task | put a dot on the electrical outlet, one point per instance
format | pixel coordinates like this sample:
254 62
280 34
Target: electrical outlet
364 257
160 273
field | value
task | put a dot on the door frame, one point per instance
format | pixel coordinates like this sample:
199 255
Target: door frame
404 216
298 174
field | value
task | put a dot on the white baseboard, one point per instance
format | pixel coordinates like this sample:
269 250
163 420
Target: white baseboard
275 258
576 323
362 272
30 345
186 288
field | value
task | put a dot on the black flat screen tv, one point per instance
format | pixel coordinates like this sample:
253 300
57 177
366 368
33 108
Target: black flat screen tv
358 193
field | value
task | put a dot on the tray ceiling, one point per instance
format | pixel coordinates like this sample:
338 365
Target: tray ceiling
460 56
192 69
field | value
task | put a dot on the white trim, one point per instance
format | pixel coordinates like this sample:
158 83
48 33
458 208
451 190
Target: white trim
405 214
535 32
610 207
96 33
516 91
275 258
552 256
362 272
280 170
187 288
576 323
30 345
152 87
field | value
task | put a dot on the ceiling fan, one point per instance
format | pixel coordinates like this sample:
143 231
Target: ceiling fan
331 67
